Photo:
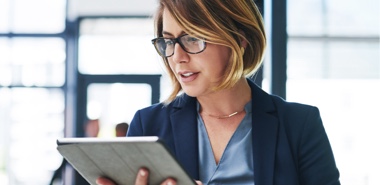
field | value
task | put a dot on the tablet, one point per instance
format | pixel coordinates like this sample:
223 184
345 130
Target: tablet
120 159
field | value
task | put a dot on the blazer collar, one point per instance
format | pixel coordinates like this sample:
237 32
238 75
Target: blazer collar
264 134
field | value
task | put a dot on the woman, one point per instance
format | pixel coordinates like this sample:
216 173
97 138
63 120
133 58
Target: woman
220 126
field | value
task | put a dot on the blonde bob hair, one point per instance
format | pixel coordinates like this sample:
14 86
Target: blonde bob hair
222 22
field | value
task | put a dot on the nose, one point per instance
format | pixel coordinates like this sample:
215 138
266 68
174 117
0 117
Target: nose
180 55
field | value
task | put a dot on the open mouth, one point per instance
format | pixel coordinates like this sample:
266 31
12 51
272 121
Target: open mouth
187 74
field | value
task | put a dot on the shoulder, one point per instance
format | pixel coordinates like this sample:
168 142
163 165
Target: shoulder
292 117
162 111
154 109
292 108
279 107
276 105
296 117
167 108
145 120
156 118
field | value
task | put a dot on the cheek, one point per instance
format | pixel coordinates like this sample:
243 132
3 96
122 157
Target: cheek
169 63
226 52
222 59
171 67
222 53
217 67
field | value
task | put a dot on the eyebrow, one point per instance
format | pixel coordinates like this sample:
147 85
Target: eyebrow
170 34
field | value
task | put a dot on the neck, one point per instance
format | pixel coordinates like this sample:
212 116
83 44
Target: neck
225 102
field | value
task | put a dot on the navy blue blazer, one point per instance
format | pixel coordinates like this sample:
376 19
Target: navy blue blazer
290 145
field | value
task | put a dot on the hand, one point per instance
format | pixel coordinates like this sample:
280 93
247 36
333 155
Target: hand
141 179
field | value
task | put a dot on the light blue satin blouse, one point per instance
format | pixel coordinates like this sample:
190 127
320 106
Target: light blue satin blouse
236 163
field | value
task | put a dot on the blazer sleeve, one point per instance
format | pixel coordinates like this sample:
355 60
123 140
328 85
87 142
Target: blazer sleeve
316 160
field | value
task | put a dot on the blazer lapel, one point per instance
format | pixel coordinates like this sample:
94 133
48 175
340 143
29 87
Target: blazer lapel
264 135
185 131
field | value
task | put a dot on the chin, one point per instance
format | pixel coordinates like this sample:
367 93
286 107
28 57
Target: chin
191 92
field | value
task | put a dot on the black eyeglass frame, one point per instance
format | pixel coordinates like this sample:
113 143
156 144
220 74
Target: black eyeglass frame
176 40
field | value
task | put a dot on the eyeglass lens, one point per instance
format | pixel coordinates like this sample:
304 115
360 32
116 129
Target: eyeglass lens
192 45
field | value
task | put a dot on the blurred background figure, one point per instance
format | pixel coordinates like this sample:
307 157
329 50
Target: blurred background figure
121 129
92 128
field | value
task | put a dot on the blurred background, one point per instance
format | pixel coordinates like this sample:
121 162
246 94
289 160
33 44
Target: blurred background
64 63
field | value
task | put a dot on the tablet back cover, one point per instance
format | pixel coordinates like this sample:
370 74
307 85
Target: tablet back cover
120 159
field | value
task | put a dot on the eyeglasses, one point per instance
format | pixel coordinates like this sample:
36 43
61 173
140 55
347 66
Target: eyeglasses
165 46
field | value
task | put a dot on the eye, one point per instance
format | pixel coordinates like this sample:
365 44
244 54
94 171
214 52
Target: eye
168 42
192 39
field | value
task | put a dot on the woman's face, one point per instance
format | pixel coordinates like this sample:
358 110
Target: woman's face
197 73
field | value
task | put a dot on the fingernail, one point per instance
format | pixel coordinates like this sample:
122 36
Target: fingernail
97 182
142 173
170 183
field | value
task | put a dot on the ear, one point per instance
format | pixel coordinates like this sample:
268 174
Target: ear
243 41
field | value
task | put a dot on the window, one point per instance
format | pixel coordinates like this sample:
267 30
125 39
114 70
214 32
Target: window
113 103
334 64
108 48
117 46
32 76
23 16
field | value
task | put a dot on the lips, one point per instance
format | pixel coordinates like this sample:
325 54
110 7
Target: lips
188 76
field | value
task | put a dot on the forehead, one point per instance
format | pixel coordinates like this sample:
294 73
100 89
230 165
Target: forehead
170 25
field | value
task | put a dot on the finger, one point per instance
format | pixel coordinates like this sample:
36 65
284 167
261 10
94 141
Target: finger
199 182
169 181
104 181
142 177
